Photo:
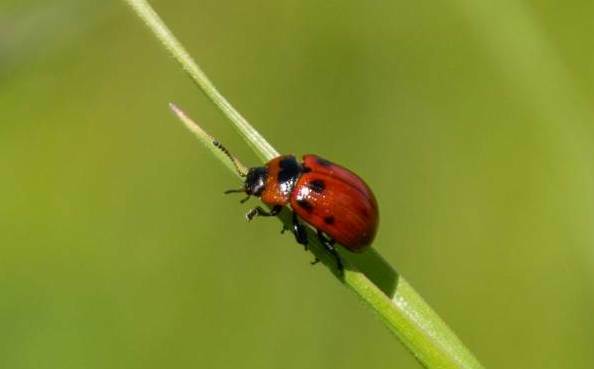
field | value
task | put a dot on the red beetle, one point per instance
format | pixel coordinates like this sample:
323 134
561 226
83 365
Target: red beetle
331 198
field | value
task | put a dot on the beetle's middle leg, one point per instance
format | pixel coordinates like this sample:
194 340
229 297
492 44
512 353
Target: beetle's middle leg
330 248
299 231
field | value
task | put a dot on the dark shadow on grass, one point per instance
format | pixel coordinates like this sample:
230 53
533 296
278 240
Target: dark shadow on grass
377 269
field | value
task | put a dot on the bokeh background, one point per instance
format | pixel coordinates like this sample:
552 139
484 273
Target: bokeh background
472 120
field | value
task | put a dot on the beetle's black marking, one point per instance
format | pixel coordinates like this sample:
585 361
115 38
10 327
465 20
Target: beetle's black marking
305 205
305 169
317 185
329 220
289 169
323 162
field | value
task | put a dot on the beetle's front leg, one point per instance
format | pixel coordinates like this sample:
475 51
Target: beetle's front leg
258 211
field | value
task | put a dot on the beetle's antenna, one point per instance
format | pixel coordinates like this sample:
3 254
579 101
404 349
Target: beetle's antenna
205 137
238 166
240 190
234 191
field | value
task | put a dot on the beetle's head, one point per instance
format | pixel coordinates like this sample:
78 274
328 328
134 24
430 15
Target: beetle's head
255 181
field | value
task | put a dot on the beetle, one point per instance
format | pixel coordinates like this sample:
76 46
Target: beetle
332 199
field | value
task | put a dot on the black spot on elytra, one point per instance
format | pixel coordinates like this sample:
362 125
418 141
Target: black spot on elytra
323 162
329 219
289 169
317 185
305 205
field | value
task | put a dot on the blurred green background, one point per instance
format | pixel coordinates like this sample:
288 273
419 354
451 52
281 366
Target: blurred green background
472 121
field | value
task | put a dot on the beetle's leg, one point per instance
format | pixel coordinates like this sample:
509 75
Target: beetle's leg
258 211
301 235
299 231
329 246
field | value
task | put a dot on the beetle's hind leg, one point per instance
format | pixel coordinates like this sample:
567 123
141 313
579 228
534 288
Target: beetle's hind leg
329 246
258 211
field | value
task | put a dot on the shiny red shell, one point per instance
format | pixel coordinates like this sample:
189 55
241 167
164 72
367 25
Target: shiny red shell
329 197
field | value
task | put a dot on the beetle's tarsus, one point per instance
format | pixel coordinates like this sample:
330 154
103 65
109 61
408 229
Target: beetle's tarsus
329 246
